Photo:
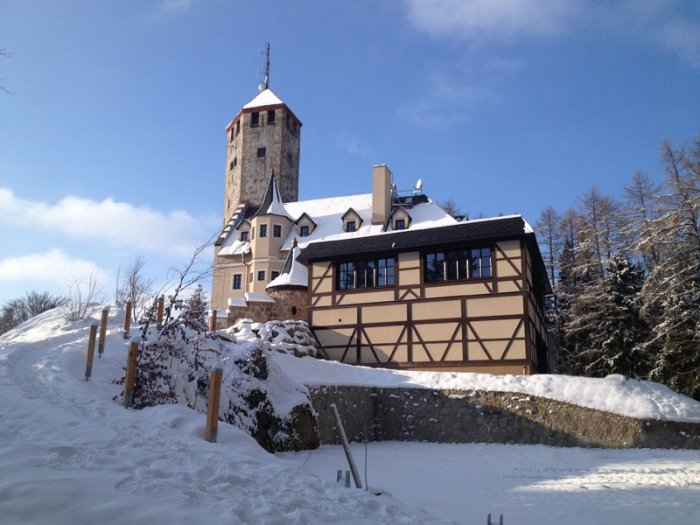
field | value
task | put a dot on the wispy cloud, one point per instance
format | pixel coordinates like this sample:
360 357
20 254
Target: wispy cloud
176 6
52 268
109 222
492 19
448 99
668 24
683 38
354 146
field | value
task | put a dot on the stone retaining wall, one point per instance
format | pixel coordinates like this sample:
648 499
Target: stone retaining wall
453 416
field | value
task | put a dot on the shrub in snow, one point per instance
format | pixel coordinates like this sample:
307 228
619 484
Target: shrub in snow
175 363
289 337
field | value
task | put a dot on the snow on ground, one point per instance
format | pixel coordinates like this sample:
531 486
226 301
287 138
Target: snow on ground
70 453
528 484
640 399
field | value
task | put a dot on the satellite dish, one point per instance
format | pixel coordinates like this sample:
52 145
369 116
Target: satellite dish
419 185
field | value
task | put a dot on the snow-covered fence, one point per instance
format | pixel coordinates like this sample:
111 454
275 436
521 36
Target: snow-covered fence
127 319
103 331
91 350
130 378
213 405
159 314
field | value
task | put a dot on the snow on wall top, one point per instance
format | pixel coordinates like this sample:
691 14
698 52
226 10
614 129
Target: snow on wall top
615 393
264 98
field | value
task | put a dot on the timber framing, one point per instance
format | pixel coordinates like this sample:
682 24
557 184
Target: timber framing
492 324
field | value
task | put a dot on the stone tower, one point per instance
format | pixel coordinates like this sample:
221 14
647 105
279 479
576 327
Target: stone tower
263 139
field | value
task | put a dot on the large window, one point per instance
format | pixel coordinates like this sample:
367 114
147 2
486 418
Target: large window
454 265
366 273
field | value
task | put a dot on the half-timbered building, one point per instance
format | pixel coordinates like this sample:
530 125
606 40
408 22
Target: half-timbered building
384 279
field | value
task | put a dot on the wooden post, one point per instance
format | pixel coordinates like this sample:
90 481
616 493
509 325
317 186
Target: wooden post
103 331
159 317
127 319
130 379
213 406
346 448
212 320
91 350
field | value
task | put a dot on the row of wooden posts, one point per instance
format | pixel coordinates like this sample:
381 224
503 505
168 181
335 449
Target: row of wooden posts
210 431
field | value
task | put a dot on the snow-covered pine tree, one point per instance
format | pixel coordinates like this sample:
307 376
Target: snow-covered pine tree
672 291
618 345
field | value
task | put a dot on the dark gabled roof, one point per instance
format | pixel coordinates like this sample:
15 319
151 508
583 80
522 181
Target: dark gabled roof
272 195
443 236
415 239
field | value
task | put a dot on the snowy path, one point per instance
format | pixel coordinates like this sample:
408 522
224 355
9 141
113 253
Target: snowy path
529 485
69 453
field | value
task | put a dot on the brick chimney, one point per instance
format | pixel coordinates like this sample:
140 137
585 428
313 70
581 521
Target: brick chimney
381 193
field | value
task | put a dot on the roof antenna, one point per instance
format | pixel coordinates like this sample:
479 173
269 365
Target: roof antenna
264 83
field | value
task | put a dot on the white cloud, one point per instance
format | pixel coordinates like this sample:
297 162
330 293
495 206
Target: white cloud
492 19
54 268
108 222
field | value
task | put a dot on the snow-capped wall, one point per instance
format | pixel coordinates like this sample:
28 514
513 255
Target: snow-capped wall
454 416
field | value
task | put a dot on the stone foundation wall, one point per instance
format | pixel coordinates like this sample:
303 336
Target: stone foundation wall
289 304
449 416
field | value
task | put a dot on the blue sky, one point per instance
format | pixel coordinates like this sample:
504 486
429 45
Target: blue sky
112 136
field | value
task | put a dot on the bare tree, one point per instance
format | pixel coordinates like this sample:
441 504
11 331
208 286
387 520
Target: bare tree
549 230
16 311
134 286
452 208
81 296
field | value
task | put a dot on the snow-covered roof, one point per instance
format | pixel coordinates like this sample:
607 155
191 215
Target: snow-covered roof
264 98
327 214
293 273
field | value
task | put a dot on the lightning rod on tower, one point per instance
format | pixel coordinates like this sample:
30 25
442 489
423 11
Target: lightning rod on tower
264 82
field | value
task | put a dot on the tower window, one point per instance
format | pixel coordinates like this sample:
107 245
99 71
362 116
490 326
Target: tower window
231 138
271 116
254 119
237 278
276 230
261 275
233 163
263 230
262 152
238 127
304 231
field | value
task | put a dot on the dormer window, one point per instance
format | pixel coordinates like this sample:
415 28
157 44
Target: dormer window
306 225
351 221
399 224
244 236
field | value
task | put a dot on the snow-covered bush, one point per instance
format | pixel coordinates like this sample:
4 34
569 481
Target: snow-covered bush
175 363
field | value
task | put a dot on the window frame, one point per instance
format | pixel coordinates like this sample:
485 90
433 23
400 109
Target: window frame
262 152
304 231
365 274
254 119
277 231
261 275
237 280
456 264
270 113
263 230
